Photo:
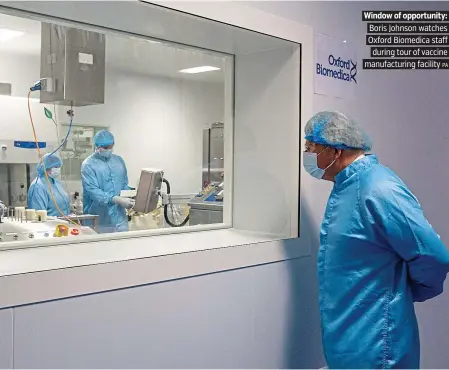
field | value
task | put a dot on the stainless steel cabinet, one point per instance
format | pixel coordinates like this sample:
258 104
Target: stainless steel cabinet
213 154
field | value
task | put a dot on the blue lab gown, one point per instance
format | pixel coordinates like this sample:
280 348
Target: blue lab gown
102 180
378 255
39 197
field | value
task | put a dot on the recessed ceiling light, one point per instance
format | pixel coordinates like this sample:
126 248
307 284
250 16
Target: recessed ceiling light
199 69
6 35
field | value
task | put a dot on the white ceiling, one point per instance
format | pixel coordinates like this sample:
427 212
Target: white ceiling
123 52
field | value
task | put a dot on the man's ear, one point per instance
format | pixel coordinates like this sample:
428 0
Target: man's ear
338 153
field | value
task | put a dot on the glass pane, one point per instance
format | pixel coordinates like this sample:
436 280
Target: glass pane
132 131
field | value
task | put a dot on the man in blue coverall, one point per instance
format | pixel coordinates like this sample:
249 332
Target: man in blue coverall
378 253
104 176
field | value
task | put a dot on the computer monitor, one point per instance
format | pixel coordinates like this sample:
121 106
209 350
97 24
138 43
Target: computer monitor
147 195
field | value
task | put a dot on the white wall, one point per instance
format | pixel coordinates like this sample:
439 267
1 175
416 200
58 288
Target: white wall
158 123
22 72
266 141
407 115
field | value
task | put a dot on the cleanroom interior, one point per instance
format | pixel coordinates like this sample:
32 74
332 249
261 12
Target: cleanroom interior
244 105
162 113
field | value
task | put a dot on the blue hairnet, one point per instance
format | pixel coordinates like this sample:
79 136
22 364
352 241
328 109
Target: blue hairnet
103 138
337 130
50 161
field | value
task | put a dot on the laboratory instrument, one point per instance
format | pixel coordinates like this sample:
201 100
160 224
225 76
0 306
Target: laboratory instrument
148 191
207 207
17 225
72 66
77 204
18 161
147 197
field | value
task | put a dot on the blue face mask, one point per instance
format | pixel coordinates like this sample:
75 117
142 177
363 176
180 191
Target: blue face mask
310 163
105 153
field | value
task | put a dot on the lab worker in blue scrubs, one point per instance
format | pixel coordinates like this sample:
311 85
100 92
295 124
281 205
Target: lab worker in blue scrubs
39 195
378 253
104 176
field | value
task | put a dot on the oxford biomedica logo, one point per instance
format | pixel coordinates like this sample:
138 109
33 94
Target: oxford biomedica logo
338 68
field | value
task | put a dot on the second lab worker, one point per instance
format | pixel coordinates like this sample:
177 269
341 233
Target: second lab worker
104 176
39 196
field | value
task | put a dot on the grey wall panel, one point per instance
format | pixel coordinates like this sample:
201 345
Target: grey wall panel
260 317
6 339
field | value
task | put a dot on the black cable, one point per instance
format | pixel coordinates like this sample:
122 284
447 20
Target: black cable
167 184
171 223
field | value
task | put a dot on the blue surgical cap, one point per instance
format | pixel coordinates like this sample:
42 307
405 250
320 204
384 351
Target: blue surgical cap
103 138
337 130
50 161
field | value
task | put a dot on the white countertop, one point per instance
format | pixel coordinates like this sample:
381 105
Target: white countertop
22 261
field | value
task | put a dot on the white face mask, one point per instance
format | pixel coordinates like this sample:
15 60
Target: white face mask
105 153
310 163
54 173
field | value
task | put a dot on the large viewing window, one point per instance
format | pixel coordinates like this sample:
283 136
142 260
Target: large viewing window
164 105
170 123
